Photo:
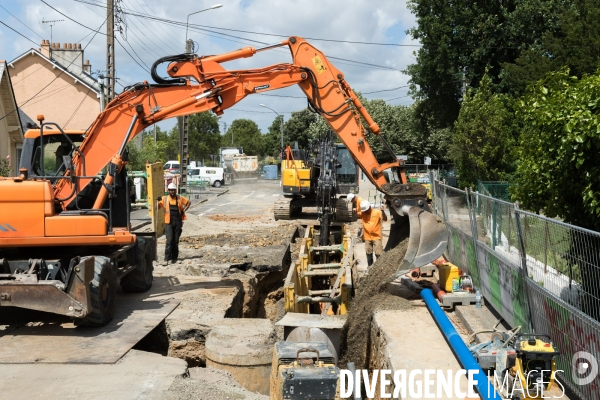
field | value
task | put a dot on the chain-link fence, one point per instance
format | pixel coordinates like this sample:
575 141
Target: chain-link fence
536 272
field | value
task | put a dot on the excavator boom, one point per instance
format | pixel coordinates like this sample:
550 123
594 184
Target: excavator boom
198 84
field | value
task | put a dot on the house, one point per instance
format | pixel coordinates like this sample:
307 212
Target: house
11 121
55 82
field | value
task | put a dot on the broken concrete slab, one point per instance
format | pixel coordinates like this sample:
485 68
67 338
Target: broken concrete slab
204 302
394 345
138 375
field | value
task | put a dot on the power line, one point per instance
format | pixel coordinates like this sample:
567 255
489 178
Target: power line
202 29
77 109
141 66
172 42
62 70
96 32
387 90
35 33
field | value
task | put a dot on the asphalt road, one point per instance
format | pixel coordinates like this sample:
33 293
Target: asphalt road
250 197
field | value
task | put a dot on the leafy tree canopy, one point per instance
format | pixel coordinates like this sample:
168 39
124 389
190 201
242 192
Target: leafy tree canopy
483 143
516 41
558 173
272 139
296 129
204 135
246 134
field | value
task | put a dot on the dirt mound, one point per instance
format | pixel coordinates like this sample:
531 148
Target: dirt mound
371 296
235 219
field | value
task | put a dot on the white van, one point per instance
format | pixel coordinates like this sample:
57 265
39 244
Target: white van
172 167
215 175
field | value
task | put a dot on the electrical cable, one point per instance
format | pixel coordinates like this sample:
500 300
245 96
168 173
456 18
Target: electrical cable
201 29
77 109
21 22
56 77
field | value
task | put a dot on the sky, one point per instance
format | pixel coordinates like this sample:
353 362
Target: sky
373 69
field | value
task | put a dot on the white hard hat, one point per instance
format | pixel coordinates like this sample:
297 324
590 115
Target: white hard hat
350 196
364 205
172 186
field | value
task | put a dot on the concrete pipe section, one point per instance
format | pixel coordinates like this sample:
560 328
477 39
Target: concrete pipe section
244 348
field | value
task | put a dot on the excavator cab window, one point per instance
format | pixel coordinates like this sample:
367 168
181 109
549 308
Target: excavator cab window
55 147
347 173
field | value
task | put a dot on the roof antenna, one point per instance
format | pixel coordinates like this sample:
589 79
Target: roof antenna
51 23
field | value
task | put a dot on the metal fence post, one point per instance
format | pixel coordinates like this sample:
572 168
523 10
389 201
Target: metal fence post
473 221
524 273
445 204
433 190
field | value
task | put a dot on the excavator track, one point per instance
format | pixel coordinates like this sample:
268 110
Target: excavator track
343 211
285 209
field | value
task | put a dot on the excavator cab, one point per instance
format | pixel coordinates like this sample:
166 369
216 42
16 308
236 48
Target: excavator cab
55 146
347 171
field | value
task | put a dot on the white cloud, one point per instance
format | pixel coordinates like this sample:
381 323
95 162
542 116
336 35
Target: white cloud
350 20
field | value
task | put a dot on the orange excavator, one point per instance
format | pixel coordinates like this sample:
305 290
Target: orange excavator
65 235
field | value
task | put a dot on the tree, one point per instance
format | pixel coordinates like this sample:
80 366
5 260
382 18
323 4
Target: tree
401 129
558 173
295 129
272 139
246 134
483 143
151 152
516 42
5 166
204 135
570 37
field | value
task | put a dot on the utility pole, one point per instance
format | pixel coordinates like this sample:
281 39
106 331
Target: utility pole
110 50
183 149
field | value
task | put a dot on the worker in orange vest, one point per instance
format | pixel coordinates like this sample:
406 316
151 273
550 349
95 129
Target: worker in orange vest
174 217
355 200
372 229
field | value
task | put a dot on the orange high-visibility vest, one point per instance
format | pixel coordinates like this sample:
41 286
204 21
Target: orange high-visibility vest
371 221
181 201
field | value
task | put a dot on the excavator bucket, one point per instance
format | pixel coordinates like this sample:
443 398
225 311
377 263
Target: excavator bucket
427 242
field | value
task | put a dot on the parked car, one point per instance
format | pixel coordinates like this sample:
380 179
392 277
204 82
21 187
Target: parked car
172 167
215 175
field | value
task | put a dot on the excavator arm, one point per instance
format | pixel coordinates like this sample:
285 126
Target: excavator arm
199 84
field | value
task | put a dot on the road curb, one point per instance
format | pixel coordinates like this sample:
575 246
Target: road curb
198 202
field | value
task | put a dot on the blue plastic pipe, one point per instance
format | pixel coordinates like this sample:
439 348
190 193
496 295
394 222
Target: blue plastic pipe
485 387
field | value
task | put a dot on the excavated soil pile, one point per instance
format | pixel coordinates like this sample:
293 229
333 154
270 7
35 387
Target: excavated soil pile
371 296
256 239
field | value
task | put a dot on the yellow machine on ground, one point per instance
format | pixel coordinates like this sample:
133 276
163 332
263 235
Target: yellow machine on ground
523 363
299 181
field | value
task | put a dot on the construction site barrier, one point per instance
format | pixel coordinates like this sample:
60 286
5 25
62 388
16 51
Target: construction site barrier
536 272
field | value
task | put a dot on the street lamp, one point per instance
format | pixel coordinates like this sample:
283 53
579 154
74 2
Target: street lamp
262 105
188 22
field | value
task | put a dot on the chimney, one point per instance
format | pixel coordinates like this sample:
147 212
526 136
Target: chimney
70 56
45 48
87 67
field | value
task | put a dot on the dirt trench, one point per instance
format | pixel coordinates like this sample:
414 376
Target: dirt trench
253 264
372 295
